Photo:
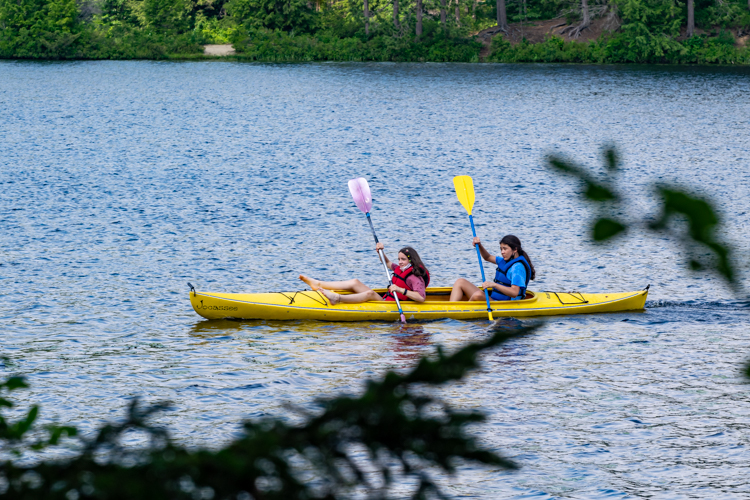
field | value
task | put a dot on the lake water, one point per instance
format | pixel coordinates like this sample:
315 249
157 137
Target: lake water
122 181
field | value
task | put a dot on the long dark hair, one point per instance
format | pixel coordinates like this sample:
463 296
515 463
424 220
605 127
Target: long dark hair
419 268
515 244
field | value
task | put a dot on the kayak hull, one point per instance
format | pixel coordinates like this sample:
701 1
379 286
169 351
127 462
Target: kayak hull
310 305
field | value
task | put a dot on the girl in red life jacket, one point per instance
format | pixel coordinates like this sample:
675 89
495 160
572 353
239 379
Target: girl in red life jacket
409 282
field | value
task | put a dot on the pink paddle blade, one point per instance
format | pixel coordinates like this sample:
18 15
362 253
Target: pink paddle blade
361 194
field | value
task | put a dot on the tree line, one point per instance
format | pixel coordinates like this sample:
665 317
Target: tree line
677 31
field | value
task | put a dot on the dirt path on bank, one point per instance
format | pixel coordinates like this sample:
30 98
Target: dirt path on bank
537 31
218 50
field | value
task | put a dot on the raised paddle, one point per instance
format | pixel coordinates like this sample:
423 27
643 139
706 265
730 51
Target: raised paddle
361 193
465 191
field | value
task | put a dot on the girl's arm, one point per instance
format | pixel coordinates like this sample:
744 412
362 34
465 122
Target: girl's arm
417 285
485 254
510 291
379 246
415 296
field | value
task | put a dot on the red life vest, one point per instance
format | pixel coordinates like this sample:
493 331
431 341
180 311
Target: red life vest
399 279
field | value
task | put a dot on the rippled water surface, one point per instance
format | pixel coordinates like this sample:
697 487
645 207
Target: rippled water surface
121 181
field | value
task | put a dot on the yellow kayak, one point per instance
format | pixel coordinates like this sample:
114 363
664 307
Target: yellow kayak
313 305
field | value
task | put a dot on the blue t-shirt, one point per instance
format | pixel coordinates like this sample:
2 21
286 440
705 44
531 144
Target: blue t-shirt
517 276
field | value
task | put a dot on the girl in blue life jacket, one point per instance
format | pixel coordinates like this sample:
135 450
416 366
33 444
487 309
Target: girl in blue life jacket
514 270
410 280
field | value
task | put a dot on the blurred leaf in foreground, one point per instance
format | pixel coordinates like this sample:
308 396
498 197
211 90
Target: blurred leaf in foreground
602 193
702 223
607 228
675 203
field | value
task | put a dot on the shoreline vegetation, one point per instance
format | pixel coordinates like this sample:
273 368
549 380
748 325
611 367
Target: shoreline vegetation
573 31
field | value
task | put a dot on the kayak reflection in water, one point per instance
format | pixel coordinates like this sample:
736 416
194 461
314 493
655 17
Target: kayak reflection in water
514 270
410 279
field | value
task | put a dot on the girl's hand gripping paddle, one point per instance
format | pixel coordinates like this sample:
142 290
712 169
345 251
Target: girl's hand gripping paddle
361 193
465 191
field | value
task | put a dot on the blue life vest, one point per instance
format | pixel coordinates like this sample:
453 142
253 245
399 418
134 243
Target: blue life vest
501 276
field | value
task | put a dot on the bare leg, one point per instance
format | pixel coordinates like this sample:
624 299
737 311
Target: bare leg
312 283
464 288
353 298
357 298
361 292
355 286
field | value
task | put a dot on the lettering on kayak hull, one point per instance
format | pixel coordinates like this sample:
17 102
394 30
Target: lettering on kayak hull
216 308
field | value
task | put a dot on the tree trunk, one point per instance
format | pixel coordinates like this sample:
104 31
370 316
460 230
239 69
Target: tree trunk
585 12
458 13
442 13
474 10
691 17
395 14
367 18
419 18
502 20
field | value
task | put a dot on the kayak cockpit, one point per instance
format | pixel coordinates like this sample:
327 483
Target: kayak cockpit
442 294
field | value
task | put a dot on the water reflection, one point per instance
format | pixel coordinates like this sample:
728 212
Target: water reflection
208 328
410 342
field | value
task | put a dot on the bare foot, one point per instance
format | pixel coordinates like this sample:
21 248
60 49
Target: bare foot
313 284
334 297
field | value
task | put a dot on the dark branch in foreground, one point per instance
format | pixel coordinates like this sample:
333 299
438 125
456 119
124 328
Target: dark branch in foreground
407 434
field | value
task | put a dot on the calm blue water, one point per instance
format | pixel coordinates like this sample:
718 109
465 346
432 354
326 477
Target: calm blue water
121 181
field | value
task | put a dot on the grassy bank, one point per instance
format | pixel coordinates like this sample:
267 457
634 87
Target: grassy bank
264 45
618 48
279 46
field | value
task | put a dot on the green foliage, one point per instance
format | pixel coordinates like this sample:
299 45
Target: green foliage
606 228
553 49
541 9
94 29
123 42
266 45
702 220
33 27
212 30
622 48
14 436
407 434
284 15
725 14
168 16
650 17
601 192
118 12
677 204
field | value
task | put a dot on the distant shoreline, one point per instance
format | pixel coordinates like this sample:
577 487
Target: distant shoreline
541 42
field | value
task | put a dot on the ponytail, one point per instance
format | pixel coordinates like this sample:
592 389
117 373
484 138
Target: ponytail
521 251
515 244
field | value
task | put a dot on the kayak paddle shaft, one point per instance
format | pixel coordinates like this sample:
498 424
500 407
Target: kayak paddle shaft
481 267
385 268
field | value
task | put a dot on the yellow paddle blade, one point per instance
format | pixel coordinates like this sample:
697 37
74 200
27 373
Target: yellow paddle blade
465 191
